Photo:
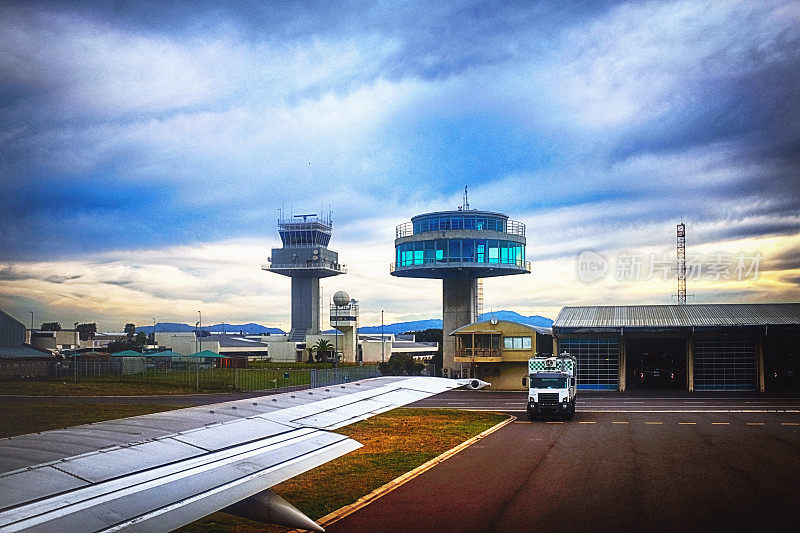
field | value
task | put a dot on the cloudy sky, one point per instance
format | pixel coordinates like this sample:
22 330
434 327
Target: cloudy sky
146 149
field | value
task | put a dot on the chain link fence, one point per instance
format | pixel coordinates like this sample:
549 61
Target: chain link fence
199 377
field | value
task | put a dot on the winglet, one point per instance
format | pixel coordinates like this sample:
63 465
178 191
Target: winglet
266 506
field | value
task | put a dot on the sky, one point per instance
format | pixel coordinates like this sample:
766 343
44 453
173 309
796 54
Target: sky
147 149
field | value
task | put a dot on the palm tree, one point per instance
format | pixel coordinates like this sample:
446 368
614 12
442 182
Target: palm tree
323 347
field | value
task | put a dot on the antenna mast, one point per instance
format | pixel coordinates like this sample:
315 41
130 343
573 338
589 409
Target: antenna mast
681 264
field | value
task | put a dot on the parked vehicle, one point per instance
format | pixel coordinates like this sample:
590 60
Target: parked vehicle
551 386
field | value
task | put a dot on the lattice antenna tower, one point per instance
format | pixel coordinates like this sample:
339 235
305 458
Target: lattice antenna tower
681 263
478 298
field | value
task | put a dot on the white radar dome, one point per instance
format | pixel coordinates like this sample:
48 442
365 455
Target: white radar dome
341 298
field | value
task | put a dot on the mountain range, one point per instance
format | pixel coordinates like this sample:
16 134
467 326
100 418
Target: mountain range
396 328
436 323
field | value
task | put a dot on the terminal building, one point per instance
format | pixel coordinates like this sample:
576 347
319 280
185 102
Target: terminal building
497 351
459 247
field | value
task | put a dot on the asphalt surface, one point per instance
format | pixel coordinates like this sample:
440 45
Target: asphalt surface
637 461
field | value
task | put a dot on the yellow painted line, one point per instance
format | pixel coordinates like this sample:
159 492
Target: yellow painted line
523 422
554 422
687 423
720 423
654 422
790 423
587 422
755 423
620 422
405 478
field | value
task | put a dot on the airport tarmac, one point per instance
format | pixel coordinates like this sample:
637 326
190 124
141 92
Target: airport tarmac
638 461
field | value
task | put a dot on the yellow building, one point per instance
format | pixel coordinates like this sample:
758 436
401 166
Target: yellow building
497 351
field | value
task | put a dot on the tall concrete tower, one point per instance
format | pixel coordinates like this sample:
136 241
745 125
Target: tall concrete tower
305 258
459 247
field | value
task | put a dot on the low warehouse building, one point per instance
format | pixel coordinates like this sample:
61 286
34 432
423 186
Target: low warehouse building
699 347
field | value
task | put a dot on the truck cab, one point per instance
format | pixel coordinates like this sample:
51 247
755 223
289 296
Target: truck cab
551 386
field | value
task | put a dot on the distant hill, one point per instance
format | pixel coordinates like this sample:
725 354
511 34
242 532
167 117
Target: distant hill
396 328
250 328
419 325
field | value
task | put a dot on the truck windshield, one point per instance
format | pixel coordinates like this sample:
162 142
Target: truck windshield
548 383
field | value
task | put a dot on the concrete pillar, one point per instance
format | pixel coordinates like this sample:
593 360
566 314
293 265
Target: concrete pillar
623 369
347 343
305 304
690 363
458 309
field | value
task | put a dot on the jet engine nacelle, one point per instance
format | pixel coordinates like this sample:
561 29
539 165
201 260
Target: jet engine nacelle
266 506
473 384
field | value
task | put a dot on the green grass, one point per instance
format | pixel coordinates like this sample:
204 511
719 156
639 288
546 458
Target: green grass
394 443
20 418
103 387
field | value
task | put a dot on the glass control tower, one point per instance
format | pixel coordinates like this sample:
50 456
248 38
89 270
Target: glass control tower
459 247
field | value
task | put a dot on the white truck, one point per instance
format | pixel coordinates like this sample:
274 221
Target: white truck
551 386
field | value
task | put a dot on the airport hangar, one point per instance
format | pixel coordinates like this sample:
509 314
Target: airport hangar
709 347
694 347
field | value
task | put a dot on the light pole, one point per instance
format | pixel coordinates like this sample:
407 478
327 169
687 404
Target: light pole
199 349
382 340
200 332
336 338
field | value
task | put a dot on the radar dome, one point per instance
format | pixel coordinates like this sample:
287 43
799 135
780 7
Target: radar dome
341 298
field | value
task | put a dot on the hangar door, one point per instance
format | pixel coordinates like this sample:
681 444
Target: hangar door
598 360
725 363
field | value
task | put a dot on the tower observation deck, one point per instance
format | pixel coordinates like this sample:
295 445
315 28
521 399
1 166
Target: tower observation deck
305 258
459 247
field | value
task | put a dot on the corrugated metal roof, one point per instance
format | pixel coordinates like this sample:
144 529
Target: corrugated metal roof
678 315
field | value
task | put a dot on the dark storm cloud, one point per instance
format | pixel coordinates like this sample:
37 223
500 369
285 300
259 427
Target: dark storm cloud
136 124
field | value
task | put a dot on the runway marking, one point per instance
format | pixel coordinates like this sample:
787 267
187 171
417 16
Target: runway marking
620 422
687 423
586 422
695 402
755 423
554 422
654 422
790 423
720 423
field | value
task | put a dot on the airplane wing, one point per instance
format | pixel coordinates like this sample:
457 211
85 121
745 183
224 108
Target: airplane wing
160 471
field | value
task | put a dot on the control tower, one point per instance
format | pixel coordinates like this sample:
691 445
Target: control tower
305 258
459 247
